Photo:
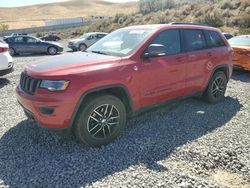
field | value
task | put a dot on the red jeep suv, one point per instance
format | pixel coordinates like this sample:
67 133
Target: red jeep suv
135 67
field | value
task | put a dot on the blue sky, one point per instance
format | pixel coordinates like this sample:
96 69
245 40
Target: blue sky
17 3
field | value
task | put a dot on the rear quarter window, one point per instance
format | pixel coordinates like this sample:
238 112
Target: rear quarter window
214 39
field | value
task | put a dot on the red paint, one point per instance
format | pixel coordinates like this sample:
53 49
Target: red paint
148 81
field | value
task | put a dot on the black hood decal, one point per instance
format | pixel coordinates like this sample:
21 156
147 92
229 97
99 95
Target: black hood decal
66 60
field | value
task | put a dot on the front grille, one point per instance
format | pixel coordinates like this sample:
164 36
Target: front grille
71 43
29 84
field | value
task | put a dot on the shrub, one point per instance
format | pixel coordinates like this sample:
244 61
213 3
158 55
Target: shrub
226 4
77 32
3 27
147 6
244 31
244 22
39 35
213 19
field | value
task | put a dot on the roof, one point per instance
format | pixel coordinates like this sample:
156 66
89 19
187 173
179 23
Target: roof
244 36
172 25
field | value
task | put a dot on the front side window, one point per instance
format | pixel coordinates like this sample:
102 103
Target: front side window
214 39
194 40
121 42
170 39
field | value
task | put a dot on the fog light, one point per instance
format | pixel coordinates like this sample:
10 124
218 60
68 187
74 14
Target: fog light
46 110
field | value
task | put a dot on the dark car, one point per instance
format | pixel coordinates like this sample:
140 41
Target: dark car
228 35
51 38
23 44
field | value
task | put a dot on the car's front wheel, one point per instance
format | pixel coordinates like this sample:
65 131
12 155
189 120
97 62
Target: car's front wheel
52 50
82 47
216 89
100 120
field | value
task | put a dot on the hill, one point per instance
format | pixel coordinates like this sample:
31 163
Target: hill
229 15
35 15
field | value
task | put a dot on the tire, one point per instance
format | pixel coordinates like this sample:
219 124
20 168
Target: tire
100 120
82 47
216 88
52 50
12 52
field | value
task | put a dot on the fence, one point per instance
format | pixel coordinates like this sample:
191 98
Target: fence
45 28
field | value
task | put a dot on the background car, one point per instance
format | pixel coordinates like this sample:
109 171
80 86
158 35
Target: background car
51 37
6 61
241 47
23 44
85 41
228 35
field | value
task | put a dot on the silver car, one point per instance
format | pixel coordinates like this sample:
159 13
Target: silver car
85 41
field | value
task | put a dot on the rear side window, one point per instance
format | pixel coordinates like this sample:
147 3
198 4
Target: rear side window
214 39
18 39
170 39
194 40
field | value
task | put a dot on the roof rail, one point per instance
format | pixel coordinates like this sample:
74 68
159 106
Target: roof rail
187 23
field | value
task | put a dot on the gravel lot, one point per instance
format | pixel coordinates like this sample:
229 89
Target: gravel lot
186 144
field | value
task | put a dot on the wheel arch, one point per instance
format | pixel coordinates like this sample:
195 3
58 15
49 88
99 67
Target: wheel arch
224 68
53 47
118 90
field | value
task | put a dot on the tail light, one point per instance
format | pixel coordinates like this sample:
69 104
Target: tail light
4 49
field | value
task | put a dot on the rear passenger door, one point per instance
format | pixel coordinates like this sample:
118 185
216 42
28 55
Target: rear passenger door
218 51
198 59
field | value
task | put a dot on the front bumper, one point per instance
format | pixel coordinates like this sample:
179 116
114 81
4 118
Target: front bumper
32 104
6 71
73 47
60 49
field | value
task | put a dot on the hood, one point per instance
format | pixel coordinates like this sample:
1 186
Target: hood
76 40
53 43
71 63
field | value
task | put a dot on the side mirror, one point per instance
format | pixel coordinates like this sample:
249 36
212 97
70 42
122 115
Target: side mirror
155 50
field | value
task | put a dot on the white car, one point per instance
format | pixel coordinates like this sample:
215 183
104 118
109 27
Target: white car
85 41
6 61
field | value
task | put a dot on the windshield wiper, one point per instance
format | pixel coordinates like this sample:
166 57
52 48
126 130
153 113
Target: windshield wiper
99 52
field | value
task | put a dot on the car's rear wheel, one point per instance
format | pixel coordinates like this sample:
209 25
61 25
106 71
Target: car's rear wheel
100 120
82 47
12 52
216 89
52 50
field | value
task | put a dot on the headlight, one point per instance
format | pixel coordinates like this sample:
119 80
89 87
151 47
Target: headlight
51 85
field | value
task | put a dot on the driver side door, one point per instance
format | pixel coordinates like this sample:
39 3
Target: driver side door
163 77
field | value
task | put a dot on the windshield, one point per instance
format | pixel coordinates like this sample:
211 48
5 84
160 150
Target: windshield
241 41
121 42
84 36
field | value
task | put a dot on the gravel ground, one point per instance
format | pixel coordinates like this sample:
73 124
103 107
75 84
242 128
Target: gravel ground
186 144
